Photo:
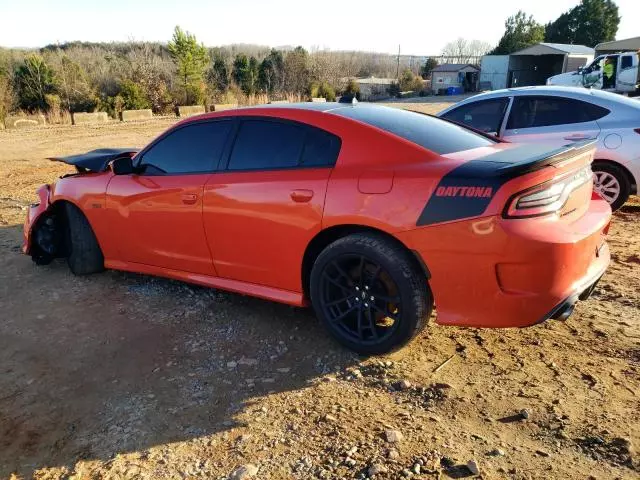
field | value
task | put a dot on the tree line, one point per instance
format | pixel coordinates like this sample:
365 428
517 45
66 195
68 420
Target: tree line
80 76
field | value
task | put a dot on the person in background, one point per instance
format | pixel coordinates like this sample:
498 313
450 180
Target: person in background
608 73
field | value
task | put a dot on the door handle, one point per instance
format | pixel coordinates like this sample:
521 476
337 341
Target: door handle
189 198
301 196
577 137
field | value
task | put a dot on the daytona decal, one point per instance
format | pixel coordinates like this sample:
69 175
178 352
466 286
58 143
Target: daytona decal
482 192
467 190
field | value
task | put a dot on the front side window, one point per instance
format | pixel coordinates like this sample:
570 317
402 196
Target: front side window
194 148
485 115
531 112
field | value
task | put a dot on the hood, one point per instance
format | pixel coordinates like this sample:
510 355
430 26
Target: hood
96 160
567 78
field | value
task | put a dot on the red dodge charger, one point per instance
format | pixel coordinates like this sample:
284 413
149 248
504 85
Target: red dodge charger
372 215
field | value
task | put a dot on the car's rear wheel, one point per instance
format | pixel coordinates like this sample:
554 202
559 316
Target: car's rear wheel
85 255
370 293
612 183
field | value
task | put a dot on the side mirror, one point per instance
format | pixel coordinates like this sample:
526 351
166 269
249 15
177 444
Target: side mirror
122 166
580 69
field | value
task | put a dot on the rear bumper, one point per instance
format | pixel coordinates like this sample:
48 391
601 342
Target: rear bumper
493 272
564 310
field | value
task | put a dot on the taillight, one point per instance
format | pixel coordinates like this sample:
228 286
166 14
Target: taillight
546 198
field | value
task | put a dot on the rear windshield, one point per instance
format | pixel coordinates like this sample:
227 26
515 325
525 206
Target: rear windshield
429 132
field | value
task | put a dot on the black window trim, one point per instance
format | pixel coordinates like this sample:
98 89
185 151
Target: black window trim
239 119
501 124
214 168
546 96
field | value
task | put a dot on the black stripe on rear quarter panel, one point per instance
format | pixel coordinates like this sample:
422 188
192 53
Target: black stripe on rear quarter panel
467 190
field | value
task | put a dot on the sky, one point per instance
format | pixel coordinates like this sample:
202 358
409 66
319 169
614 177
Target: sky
420 27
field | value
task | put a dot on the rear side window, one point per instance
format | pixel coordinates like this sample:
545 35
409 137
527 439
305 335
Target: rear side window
531 112
320 148
194 148
484 115
268 144
626 62
429 132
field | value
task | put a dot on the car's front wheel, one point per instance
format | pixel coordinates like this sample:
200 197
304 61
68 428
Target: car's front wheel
370 293
612 183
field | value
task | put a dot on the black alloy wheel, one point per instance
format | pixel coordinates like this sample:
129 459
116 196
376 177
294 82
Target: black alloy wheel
360 299
370 292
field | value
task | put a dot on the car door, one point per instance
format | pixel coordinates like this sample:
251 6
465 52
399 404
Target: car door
157 211
627 73
262 211
483 115
592 75
552 119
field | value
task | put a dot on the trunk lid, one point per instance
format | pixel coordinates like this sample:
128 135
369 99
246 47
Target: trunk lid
95 160
468 189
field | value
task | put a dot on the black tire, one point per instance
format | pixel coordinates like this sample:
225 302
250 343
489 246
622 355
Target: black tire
390 271
85 255
621 177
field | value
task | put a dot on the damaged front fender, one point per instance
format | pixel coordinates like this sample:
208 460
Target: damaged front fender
34 213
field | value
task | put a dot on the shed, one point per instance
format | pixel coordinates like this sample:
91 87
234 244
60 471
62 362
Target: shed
461 75
626 45
373 88
534 64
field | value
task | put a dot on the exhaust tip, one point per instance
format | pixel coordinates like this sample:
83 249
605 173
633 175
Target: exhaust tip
565 312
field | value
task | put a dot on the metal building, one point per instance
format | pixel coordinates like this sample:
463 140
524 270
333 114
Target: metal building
626 45
533 65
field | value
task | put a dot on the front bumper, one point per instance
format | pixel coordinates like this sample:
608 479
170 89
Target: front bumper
492 272
33 213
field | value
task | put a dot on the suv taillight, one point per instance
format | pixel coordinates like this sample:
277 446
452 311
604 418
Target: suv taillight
546 198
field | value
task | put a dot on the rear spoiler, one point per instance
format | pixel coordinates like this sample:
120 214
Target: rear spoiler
526 158
96 160
484 176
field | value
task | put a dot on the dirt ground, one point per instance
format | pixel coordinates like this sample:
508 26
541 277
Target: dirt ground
118 375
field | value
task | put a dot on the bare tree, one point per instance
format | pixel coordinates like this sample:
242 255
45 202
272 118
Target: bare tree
462 50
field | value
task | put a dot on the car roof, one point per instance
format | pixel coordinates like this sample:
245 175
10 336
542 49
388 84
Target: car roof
274 108
396 122
576 92
317 106
597 97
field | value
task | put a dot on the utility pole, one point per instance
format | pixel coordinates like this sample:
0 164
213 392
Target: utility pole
398 64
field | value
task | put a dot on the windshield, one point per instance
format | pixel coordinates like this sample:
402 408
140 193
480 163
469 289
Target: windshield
595 65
